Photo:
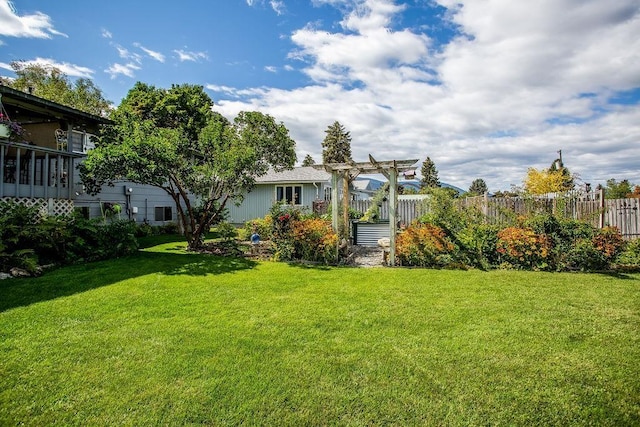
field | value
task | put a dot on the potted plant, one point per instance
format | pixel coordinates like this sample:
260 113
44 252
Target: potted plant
10 129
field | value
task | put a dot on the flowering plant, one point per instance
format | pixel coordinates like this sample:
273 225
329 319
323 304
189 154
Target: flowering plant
14 127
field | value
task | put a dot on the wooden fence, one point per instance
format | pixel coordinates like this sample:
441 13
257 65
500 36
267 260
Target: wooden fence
408 210
591 208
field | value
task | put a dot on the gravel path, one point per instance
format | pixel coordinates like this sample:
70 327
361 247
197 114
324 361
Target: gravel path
366 256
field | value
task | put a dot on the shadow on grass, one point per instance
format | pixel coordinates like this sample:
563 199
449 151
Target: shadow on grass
75 279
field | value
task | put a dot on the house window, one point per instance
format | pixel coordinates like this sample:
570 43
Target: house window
163 213
290 194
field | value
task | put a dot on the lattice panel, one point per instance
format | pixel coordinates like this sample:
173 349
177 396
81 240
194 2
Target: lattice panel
46 206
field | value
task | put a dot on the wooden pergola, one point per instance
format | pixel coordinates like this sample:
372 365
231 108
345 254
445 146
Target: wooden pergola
347 171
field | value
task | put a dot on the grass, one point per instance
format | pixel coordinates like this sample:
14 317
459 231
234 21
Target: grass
166 337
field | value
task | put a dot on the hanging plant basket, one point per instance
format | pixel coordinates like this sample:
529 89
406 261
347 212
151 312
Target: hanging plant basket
5 130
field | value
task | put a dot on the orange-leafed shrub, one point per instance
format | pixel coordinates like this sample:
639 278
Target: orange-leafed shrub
424 245
314 240
523 247
609 242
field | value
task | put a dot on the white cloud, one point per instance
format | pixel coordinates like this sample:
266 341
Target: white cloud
107 34
184 55
122 69
155 55
520 81
277 6
125 53
72 70
36 25
6 66
271 69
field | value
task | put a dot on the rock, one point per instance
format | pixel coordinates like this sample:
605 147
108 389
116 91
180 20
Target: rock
5 276
384 242
19 272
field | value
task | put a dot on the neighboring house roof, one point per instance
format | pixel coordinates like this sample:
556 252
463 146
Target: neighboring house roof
25 101
296 175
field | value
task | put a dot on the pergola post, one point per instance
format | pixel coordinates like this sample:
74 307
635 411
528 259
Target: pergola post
393 213
334 200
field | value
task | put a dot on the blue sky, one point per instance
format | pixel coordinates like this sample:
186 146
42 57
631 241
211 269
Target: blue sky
486 88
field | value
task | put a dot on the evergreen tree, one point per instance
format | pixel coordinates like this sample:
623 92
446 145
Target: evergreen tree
478 187
429 174
308 161
567 179
336 147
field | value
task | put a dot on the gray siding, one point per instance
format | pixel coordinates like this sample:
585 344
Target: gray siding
257 203
143 197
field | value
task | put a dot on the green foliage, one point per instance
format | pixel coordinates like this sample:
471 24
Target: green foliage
373 213
52 84
336 146
618 190
308 161
172 140
30 238
282 218
583 255
478 243
261 226
226 231
429 174
630 255
478 187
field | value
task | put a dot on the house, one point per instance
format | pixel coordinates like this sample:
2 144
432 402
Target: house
41 168
301 186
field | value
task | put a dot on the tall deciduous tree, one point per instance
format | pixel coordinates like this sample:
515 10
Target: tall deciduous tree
172 140
54 85
336 147
308 161
543 181
478 187
429 174
555 179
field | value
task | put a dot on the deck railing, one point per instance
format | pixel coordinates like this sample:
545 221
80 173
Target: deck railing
27 170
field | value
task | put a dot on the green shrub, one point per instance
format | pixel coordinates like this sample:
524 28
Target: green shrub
262 226
282 218
480 245
584 256
145 230
630 256
30 238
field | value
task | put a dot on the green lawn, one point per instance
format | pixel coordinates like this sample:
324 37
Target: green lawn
170 338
